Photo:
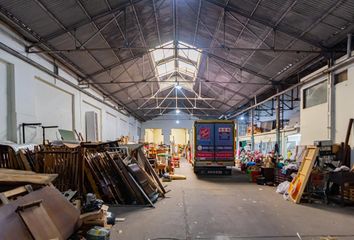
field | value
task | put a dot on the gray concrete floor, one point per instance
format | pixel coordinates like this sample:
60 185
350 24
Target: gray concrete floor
229 207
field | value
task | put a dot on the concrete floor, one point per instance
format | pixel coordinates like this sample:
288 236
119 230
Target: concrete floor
229 207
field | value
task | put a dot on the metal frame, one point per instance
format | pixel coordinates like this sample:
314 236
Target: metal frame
211 97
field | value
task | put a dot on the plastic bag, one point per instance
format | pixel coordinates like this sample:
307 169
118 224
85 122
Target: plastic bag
283 187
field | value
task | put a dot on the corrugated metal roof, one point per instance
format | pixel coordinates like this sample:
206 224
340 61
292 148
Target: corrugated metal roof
301 24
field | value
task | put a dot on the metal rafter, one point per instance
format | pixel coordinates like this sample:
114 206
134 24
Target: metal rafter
54 18
244 26
329 11
332 7
81 24
111 67
104 39
114 18
197 23
270 30
264 23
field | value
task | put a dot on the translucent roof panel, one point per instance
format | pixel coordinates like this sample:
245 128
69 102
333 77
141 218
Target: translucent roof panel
165 68
160 54
187 61
186 68
191 54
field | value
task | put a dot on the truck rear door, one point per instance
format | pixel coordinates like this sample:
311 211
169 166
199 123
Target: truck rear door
204 147
224 141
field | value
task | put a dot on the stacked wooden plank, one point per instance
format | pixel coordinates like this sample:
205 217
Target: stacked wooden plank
115 176
117 180
8 159
64 161
36 216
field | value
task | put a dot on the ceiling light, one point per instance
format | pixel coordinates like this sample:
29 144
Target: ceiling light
177 86
178 111
242 118
177 121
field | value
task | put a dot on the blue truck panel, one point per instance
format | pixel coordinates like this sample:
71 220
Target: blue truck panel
204 141
224 141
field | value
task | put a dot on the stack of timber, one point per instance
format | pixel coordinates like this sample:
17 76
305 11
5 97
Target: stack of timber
116 174
117 178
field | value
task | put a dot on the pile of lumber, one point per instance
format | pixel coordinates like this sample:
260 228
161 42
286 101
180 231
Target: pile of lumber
113 175
120 181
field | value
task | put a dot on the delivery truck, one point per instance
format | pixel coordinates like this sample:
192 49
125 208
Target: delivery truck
214 146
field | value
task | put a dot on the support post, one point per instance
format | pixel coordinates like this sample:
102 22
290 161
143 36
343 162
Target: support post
277 123
252 129
331 102
349 45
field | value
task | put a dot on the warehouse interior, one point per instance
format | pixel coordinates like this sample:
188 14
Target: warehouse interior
176 119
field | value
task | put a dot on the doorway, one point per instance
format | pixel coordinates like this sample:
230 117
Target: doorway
153 135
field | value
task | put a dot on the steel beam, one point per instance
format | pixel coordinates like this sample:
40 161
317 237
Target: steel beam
53 17
104 39
247 28
81 23
181 108
224 47
180 98
235 65
100 30
264 23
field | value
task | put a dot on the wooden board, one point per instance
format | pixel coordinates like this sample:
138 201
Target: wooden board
62 213
38 222
17 176
297 186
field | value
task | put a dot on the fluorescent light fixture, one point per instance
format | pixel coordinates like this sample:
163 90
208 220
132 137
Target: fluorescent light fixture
178 111
178 86
242 118
177 121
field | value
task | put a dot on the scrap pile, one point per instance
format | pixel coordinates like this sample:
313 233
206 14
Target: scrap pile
117 175
121 179
30 206
29 209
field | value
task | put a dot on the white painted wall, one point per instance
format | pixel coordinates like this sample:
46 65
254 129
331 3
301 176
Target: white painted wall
315 121
168 122
36 96
3 101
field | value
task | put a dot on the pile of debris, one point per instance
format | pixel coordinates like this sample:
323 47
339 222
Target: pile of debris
78 180
29 209
116 174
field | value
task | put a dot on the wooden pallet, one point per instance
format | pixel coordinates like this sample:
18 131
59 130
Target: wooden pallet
349 192
297 186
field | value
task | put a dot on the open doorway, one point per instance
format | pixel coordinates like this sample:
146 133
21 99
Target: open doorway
154 135
179 139
179 136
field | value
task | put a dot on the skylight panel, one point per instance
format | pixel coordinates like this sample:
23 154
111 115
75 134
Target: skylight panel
187 61
186 68
191 54
165 68
160 54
